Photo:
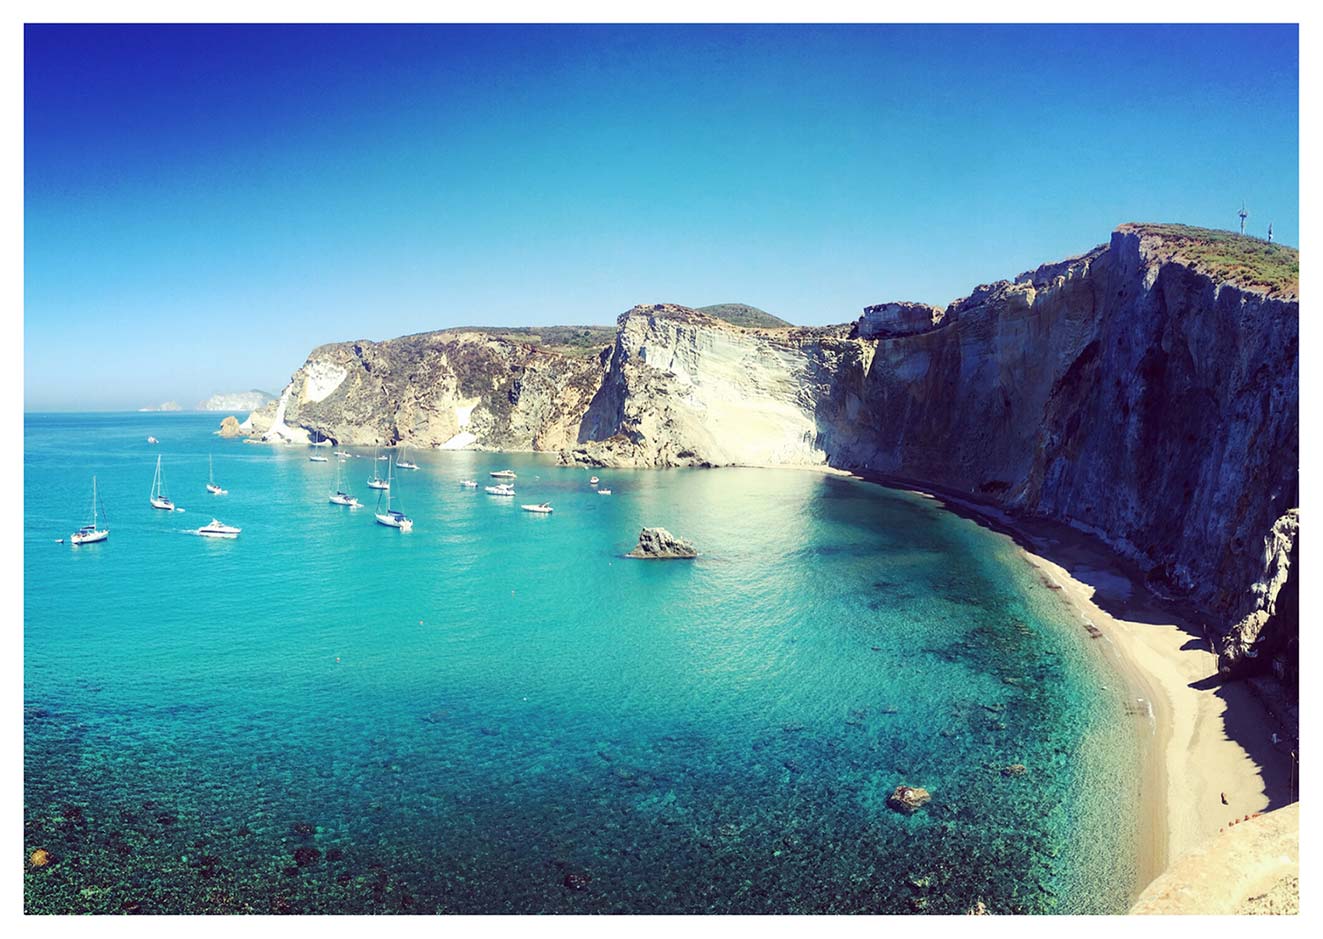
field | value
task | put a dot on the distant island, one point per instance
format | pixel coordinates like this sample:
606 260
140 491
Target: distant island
164 406
235 401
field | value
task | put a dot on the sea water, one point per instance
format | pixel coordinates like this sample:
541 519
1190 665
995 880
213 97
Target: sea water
498 712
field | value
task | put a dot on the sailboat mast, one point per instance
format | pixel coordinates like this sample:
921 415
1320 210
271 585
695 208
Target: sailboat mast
94 503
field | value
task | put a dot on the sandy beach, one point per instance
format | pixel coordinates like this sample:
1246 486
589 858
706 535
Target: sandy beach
1211 758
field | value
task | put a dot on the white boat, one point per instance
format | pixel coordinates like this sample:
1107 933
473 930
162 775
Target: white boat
469 483
318 459
503 474
543 508
217 529
404 464
593 481
604 492
341 496
211 480
152 440
376 482
90 533
501 489
392 518
158 497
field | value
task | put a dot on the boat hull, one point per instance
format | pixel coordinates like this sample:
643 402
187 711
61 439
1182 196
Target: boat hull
90 538
165 505
378 485
391 522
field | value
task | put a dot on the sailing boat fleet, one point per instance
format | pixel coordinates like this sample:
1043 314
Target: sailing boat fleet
387 514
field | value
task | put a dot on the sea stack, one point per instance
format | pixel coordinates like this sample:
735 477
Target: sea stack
660 544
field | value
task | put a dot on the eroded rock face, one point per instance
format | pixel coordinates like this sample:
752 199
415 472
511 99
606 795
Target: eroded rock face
229 427
1125 392
451 389
659 543
1265 639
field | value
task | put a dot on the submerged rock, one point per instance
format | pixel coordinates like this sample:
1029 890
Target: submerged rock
908 799
661 544
1015 769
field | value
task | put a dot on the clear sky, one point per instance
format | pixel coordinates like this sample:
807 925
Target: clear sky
206 204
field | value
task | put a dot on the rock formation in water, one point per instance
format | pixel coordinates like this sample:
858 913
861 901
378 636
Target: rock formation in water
1145 392
236 401
661 544
229 427
908 799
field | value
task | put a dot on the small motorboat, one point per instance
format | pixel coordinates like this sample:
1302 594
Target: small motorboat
604 492
503 474
469 483
593 481
543 508
315 458
152 440
217 529
501 489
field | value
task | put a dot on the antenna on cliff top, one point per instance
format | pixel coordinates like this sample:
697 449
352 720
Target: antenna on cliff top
1270 233
1243 215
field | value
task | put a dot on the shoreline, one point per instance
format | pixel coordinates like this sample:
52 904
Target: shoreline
1210 759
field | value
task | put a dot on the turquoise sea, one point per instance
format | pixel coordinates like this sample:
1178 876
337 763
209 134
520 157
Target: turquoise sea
498 713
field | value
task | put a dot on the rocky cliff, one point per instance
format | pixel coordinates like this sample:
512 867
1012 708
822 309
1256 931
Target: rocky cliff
1145 391
450 389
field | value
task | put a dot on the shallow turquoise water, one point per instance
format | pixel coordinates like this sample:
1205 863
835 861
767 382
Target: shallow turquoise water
498 713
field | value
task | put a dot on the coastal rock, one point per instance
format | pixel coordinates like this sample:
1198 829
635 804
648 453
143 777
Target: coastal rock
888 320
1144 392
661 544
908 799
229 427
1265 639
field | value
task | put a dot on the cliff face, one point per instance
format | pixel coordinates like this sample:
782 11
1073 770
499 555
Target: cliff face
453 389
1145 391
1131 392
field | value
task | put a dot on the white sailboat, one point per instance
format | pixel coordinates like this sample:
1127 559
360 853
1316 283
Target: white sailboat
392 518
212 488
318 459
90 533
158 497
404 464
376 482
341 496
216 529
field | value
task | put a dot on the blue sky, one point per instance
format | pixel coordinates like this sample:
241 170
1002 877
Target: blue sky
206 204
